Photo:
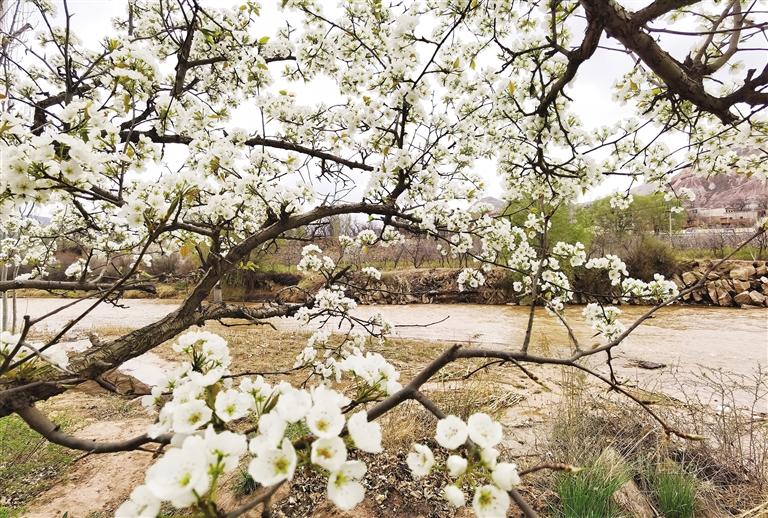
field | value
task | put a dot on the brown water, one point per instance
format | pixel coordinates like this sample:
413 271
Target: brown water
685 338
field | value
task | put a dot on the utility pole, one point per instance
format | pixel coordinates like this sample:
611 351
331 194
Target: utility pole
669 211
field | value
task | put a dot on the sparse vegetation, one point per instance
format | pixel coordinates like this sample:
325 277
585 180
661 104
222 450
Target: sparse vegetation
28 463
589 493
674 491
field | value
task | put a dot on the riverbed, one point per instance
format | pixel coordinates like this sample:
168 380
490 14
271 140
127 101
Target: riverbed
686 340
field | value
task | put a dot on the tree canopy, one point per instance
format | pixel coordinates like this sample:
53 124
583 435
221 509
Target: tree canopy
186 128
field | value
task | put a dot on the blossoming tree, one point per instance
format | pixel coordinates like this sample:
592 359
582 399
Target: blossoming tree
183 129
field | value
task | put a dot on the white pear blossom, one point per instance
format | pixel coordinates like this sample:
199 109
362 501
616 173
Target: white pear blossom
325 420
274 465
454 496
141 504
365 435
293 404
483 430
232 404
372 272
181 473
505 476
344 487
272 428
489 457
451 432
329 453
490 502
420 460
191 416
456 465
226 447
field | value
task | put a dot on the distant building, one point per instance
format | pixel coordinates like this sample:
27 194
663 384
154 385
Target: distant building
724 217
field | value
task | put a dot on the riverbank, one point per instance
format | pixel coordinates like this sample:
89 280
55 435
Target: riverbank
733 283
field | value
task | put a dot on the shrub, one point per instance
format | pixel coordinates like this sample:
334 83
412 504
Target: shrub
649 255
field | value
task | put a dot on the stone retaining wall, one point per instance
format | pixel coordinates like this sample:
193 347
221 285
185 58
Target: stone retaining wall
734 283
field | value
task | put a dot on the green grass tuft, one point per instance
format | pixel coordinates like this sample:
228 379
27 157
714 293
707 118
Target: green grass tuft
245 484
588 493
675 492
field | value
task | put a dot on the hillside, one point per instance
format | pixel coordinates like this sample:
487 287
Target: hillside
717 191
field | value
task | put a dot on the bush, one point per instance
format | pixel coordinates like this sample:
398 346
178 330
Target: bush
649 255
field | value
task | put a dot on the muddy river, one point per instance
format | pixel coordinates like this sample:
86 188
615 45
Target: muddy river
686 340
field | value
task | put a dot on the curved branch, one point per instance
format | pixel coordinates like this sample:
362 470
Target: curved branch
152 135
37 421
39 284
264 496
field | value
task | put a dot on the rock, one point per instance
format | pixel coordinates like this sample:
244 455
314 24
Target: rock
712 292
123 384
713 276
628 496
724 298
758 298
761 270
742 298
739 286
743 274
645 364
750 306
697 296
689 278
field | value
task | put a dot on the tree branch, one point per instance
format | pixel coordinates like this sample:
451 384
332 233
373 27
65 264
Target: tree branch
42 425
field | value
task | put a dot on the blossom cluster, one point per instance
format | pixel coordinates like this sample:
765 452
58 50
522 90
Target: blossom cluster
478 436
604 320
200 407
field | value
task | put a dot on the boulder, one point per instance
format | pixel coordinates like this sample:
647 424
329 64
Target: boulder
689 278
743 274
758 298
739 286
697 295
628 497
724 298
743 298
712 292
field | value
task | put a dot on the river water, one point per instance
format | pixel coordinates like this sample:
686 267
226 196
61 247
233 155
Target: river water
687 339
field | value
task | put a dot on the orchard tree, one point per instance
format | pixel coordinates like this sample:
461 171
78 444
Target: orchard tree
184 129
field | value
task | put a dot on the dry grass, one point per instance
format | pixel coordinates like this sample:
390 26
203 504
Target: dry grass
725 473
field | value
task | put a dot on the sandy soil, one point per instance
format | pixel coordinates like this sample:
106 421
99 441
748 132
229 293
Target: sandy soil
96 483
